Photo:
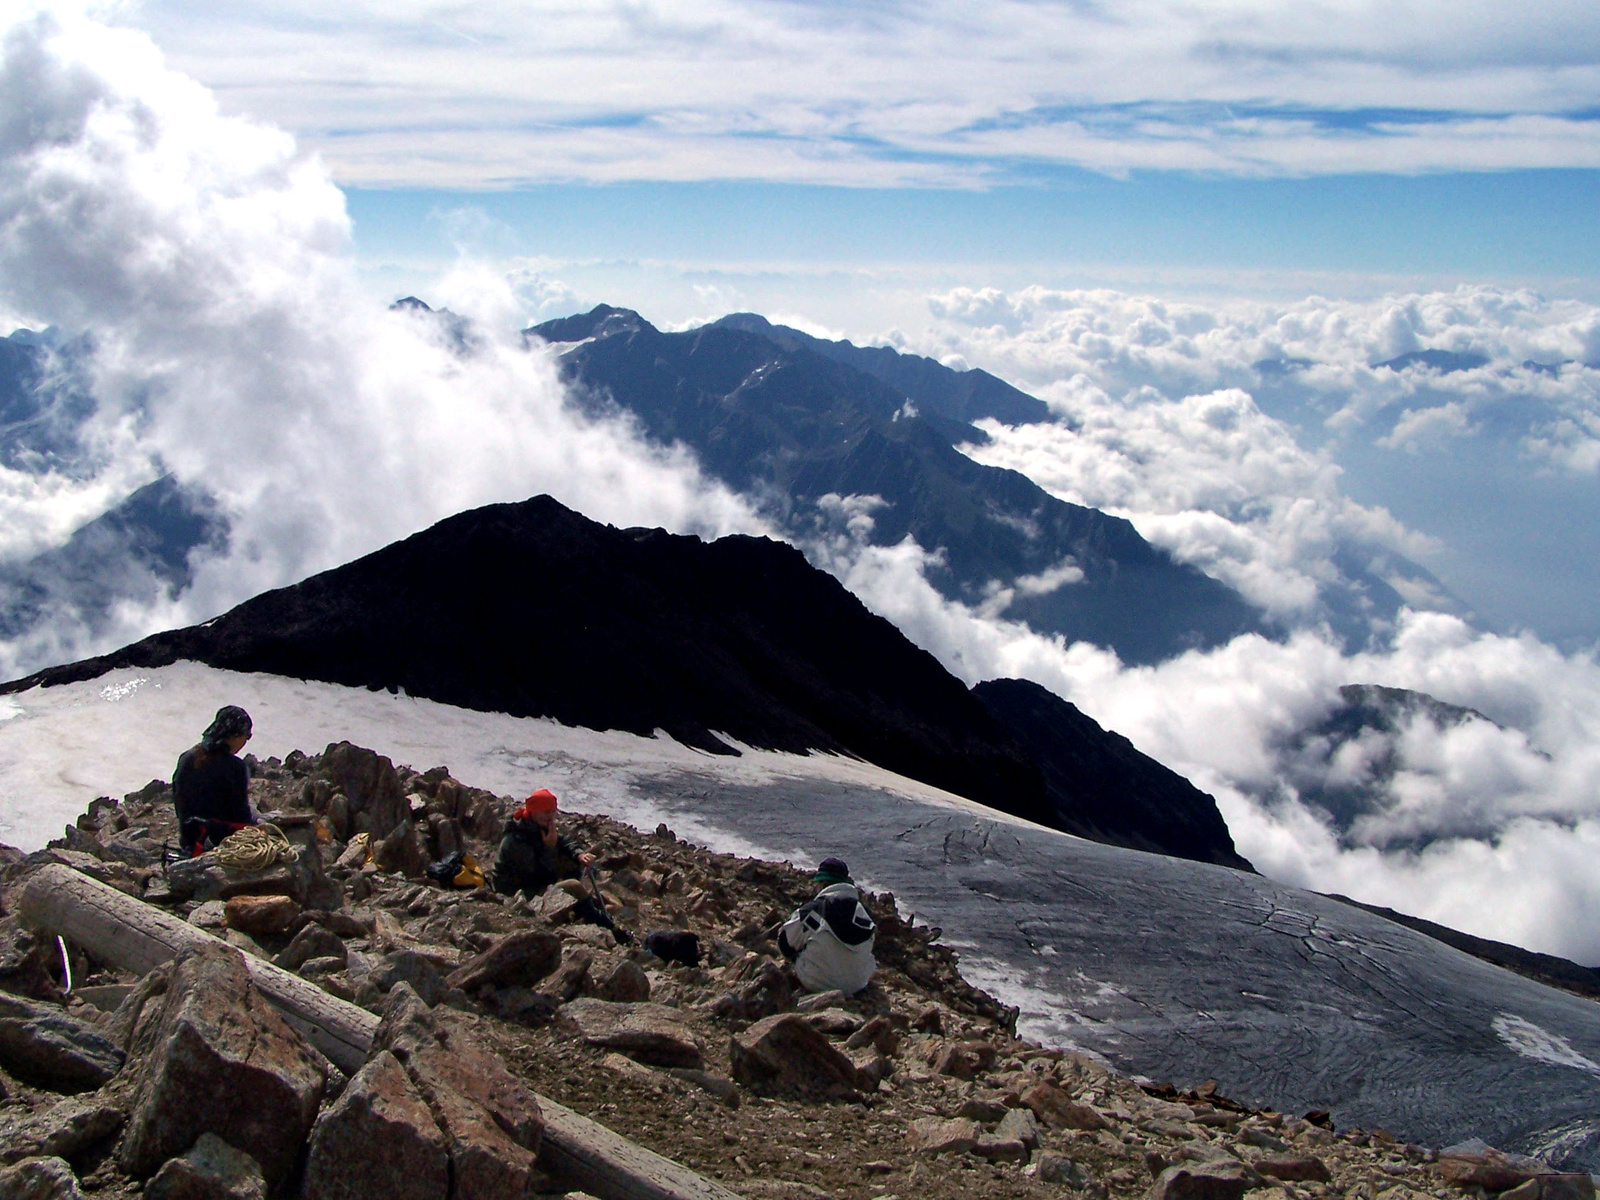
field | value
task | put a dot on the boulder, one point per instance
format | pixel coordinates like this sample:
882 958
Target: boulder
404 850
936 1135
1294 1168
492 1126
261 914
519 959
1490 1170
40 1179
60 1131
41 1044
1566 1186
211 1170
1218 1179
1058 1110
378 1139
211 1034
782 1055
649 1033
370 784
1019 1125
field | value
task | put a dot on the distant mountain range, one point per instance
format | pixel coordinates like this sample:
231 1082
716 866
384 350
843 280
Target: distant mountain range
789 419
534 610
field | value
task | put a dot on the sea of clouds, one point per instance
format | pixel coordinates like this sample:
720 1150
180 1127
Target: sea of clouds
233 348
1487 824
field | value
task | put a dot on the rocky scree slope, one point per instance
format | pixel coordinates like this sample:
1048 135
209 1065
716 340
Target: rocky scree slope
917 1084
532 609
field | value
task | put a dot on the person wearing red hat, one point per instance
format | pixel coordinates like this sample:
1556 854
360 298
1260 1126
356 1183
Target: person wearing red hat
531 853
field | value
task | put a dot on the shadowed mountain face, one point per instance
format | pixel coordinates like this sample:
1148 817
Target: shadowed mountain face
534 610
937 390
1105 790
138 551
1349 763
789 420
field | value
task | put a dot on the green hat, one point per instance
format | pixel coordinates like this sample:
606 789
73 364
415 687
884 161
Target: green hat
831 870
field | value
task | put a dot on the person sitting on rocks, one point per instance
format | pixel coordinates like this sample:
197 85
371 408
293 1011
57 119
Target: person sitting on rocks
532 855
211 785
829 938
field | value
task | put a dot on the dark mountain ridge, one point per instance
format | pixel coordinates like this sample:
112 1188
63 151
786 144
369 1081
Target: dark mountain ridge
534 610
789 419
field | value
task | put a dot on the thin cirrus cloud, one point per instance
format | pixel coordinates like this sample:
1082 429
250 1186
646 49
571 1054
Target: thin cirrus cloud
947 94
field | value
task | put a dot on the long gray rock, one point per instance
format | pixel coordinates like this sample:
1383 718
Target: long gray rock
61 1130
649 1033
41 1044
40 1179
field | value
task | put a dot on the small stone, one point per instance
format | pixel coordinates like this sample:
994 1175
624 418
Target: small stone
1060 1111
312 942
1294 1168
519 959
963 1060
1019 1125
407 966
877 1033
1219 1179
936 1135
40 1179
1058 1168
261 914
627 983
985 1112
833 1022
998 1149
211 1170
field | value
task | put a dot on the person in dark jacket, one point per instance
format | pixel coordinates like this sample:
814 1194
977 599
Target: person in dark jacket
531 853
211 786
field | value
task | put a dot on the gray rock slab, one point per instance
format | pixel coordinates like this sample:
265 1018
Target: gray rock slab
40 1043
1183 971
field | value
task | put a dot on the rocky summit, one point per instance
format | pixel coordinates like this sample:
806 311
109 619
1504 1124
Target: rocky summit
492 1015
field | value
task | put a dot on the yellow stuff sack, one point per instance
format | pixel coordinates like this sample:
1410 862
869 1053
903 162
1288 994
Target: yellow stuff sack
471 874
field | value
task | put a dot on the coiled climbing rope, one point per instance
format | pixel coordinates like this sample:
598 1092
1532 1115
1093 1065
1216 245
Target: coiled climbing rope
254 848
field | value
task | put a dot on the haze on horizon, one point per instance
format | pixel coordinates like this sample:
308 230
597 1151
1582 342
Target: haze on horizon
1126 210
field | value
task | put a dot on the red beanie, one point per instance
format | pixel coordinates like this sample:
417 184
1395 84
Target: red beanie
544 800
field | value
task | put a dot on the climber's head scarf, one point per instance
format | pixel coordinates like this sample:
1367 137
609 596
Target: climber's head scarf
231 721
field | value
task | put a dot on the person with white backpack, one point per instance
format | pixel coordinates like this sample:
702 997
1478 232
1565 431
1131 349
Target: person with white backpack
829 938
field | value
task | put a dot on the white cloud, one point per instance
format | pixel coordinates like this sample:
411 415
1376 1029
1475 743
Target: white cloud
936 94
211 262
1528 795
